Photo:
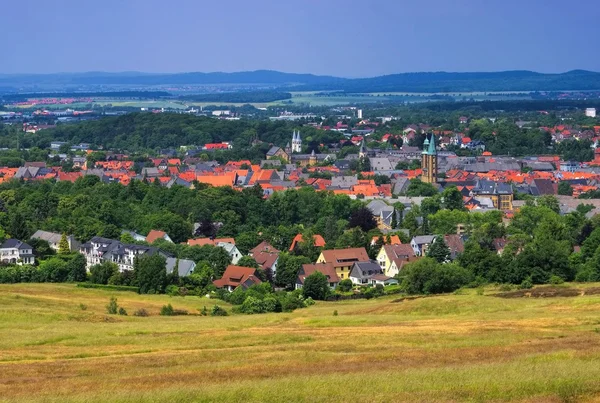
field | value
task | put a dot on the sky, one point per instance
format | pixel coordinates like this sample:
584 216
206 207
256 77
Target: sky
347 38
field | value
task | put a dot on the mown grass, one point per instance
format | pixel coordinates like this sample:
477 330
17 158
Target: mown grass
445 348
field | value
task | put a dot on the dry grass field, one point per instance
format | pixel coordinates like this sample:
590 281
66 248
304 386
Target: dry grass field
445 348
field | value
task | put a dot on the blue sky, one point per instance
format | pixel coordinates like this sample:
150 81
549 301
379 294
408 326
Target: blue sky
337 37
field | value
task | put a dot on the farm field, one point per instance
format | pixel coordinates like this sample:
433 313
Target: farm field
58 344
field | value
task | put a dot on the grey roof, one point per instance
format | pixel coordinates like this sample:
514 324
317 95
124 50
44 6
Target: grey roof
273 150
344 182
492 166
365 270
51 237
14 243
185 267
377 206
400 185
423 239
150 171
381 164
491 187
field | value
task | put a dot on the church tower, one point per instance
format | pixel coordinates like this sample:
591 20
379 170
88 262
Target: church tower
296 142
429 161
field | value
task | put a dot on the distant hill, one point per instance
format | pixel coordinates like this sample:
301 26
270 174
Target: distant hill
405 82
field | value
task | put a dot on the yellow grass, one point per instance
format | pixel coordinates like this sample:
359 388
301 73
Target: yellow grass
446 348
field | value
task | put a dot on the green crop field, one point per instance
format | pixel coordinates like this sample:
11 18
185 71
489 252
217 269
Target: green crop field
58 344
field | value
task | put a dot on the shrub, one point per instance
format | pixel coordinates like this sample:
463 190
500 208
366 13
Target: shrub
108 287
218 311
505 287
82 307
101 273
309 301
141 312
172 290
122 311
526 284
427 276
480 290
252 306
203 311
335 313
112 306
166 310
556 280
345 285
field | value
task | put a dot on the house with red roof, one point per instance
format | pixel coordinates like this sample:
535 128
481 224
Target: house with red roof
319 241
237 276
155 235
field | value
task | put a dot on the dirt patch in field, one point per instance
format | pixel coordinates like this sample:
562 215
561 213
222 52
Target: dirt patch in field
550 292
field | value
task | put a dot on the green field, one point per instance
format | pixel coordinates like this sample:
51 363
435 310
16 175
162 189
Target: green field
464 347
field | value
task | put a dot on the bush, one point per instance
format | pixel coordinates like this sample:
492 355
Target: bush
122 311
112 306
141 312
556 280
252 306
505 287
335 313
218 311
427 276
345 285
526 284
101 273
82 307
172 290
167 310
203 311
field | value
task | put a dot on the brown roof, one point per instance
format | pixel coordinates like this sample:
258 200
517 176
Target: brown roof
349 255
154 235
399 254
455 243
264 246
236 275
266 259
209 241
326 268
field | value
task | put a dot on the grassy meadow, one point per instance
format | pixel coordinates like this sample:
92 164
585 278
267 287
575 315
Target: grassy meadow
57 344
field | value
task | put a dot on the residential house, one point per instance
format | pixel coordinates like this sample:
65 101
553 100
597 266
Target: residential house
456 245
383 280
500 193
266 256
185 267
236 276
391 258
327 269
155 234
319 241
231 250
343 259
99 250
276 153
53 239
361 272
421 243
13 251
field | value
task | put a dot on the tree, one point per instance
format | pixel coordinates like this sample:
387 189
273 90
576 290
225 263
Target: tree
288 267
18 226
247 261
426 276
549 201
439 250
316 286
76 268
101 273
363 218
394 223
452 199
63 245
565 188
151 273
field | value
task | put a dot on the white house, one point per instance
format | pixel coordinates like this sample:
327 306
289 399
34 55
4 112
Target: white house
421 243
13 251
232 250
53 239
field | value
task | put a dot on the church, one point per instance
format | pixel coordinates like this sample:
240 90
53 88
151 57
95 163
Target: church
291 154
429 162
